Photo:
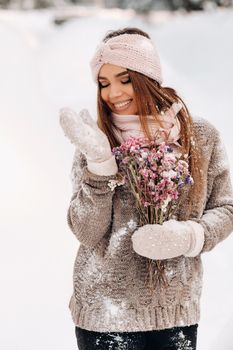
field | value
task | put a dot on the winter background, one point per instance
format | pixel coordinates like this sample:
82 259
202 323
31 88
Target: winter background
43 67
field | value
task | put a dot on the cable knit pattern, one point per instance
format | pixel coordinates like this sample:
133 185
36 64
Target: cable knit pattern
110 291
131 51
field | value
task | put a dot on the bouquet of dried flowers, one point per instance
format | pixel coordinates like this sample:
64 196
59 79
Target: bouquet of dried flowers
156 175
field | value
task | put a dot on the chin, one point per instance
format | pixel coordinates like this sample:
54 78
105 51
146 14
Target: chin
126 112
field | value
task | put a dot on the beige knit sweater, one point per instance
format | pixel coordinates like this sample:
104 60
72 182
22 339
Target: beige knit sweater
110 293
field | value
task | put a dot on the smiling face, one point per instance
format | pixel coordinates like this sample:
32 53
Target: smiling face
116 89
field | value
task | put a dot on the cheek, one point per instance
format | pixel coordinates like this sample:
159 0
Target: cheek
104 94
130 91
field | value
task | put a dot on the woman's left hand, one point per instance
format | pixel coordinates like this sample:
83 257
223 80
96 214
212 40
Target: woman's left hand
169 240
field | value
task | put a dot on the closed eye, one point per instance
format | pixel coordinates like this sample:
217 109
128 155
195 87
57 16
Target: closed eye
103 86
126 81
122 82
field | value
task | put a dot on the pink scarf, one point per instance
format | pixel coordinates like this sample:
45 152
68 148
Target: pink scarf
129 125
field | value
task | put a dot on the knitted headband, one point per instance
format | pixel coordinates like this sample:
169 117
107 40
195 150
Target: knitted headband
132 51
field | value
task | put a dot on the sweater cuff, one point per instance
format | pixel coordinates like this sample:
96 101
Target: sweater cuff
106 168
197 239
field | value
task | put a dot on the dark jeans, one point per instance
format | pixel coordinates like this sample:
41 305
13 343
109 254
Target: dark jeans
177 338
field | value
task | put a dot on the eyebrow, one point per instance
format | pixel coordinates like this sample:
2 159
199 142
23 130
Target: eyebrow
117 75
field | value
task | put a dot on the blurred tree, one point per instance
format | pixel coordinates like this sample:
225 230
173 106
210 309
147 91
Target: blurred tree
40 4
189 5
140 6
122 4
193 5
4 3
226 3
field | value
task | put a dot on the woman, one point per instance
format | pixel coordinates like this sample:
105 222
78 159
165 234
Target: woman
112 306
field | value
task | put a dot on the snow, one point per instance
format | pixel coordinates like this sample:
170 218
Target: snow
181 342
115 240
118 237
111 340
132 224
112 310
44 68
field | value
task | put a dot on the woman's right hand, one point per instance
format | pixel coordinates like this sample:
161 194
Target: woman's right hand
84 133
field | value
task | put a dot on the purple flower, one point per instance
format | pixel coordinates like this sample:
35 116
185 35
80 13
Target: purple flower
189 180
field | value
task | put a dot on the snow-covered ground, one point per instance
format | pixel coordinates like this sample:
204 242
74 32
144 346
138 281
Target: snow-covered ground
44 68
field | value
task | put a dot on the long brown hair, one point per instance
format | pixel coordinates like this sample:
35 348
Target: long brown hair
151 98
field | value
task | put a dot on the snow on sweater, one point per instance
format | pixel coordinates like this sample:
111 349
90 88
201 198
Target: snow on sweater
110 291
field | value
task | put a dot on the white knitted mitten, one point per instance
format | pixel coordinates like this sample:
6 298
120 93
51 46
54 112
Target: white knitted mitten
84 133
169 240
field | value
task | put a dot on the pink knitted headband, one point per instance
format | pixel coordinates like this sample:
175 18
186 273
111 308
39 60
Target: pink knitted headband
132 51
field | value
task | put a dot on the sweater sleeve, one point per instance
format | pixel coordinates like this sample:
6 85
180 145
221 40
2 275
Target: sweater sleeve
217 219
90 211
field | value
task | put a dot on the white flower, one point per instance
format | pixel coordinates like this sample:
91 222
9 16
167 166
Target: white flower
165 203
170 174
144 155
113 183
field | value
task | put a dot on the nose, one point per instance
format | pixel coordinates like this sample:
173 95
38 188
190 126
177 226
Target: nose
115 91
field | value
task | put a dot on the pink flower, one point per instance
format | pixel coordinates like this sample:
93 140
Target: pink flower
154 174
